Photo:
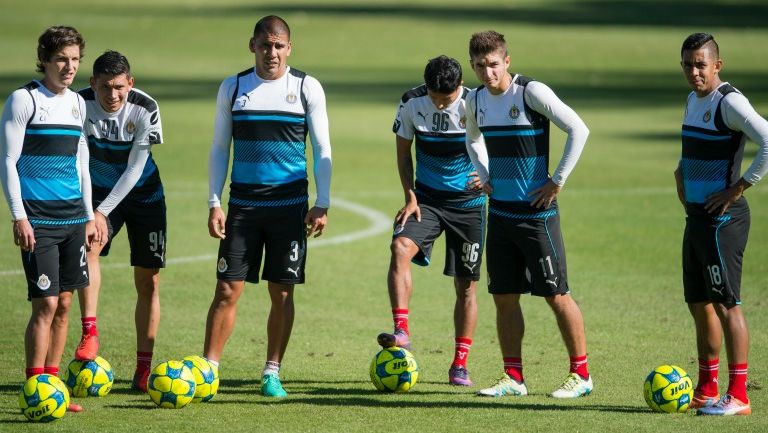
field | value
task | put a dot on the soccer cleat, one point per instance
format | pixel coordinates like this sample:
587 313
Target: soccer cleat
73 407
573 386
700 400
140 380
399 338
727 405
458 375
505 386
271 386
88 348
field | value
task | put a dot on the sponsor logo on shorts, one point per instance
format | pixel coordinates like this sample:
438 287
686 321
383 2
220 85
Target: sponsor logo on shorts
554 283
720 291
295 272
222 265
44 283
471 268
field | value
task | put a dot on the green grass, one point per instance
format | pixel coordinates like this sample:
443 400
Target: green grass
615 63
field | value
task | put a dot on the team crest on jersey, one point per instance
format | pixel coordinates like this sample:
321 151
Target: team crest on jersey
707 116
514 112
75 112
291 98
44 283
463 121
130 127
222 265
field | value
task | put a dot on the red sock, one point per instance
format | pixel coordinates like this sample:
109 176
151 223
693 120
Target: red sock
32 371
708 377
462 347
514 368
52 370
737 381
579 366
400 317
89 326
143 361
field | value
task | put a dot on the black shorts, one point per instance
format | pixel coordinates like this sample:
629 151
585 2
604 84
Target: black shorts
147 230
526 256
278 232
463 237
58 263
713 249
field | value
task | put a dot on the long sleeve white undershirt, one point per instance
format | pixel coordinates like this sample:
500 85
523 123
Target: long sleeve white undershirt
137 159
13 124
543 100
739 115
317 121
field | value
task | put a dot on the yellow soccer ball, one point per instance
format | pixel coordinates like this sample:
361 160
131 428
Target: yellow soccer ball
668 389
206 377
43 398
171 385
94 378
394 369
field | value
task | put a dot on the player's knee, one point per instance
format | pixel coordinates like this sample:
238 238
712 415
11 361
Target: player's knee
402 248
226 294
506 302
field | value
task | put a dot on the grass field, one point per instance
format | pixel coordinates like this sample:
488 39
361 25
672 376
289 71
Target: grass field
615 63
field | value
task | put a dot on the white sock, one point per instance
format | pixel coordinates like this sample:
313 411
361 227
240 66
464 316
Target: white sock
271 367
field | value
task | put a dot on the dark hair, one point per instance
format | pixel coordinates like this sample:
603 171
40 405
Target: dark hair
111 63
442 75
54 39
271 25
699 40
486 42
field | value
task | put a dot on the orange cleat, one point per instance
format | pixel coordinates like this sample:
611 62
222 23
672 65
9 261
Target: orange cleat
728 405
700 400
73 407
88 348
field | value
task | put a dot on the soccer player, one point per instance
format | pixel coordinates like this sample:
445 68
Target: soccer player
717 121
508 119
46 182
123 124
266 112
437 201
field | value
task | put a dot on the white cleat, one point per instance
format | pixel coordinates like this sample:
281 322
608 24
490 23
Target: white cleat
573 386
505 386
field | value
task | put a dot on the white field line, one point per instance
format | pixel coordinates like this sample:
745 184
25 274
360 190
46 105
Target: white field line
378 223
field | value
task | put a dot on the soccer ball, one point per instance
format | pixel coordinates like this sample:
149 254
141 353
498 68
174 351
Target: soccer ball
43 398
171 385
206 377
668 389
394 369
94 378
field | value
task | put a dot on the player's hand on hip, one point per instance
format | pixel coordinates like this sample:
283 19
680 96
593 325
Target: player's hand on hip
719 202
90 234
474 183
102 232
216 223
543 196
315 221
411 208
24 235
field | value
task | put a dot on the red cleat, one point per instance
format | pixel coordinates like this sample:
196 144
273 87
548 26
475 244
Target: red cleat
140 379
73 407
88 348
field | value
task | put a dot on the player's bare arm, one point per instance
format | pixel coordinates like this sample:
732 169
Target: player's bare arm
315 221
405 170
216 222
101 227
680 186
